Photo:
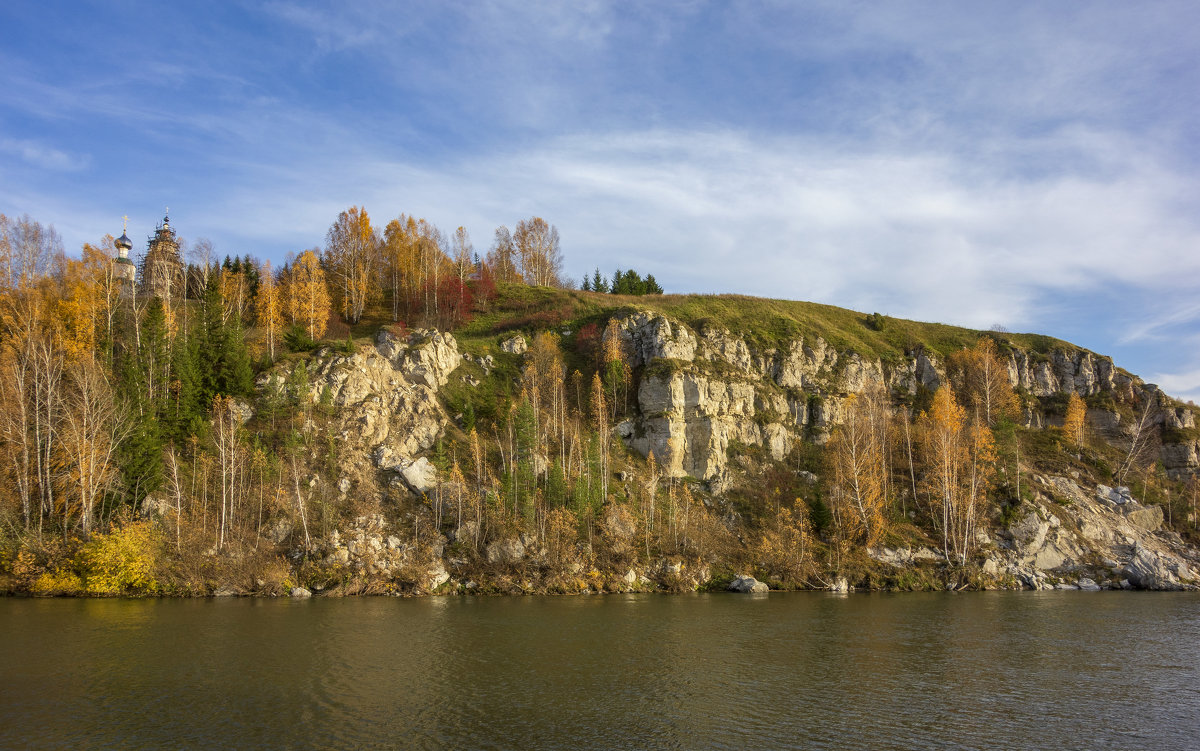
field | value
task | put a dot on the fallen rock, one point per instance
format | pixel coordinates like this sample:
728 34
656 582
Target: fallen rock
300 592
1146 570
514 345
747 585
437 576
420 475
1149 518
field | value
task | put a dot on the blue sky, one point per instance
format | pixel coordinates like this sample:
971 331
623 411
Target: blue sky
1032 165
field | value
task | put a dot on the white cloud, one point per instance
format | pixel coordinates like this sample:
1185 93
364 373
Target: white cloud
922 235
44 157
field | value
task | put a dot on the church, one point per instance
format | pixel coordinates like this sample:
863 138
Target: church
160 272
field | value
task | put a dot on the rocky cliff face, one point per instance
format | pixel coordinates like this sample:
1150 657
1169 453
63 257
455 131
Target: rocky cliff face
702 391
1073 537
384 404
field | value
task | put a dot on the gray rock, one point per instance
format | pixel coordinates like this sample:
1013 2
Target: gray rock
1149 518
300 592
505 551
437 576
420 475
1147 570
514 345
1088 585
747 585
157 506
840 585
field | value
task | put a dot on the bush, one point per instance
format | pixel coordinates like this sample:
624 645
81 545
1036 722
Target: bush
297 340
57 582
123 561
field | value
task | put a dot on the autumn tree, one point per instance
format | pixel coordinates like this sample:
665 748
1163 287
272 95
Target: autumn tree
462 254
352 255
615 364
235 294
958 460
268 307
537 247
399 255
982 379
1143 438
502 257
307 294
1075 420
93 427
786 543
858 476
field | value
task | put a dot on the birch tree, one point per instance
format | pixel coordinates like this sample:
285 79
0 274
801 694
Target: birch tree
352 254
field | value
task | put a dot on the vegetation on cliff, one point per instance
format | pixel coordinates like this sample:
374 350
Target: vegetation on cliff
558 440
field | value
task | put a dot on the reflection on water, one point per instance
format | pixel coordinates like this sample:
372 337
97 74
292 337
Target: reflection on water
803 670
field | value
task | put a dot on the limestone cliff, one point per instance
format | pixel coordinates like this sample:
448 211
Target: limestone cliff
383 403
702 390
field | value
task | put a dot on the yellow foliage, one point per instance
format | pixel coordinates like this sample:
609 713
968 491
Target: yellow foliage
785 548
57 582
307 295
959 462
982 378
1075 420
858 476
123 561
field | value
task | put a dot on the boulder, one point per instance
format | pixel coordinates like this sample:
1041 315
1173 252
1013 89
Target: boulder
420 475
300 592
747 585
157 506
514 345
1148 570
437 576
1149 518
505 551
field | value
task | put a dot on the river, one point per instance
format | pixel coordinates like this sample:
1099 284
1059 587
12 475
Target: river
1018 670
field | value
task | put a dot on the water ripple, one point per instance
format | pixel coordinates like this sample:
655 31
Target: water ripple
972 671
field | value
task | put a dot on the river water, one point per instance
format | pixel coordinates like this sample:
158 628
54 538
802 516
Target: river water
1019 670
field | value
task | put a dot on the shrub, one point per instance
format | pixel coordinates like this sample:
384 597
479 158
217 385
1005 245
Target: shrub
57 582
123 561
298 340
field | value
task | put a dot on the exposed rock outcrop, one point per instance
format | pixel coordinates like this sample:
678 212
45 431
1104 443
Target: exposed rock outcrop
702 392
747 585
383 402
1106 536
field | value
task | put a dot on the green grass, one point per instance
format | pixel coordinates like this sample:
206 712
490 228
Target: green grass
763 323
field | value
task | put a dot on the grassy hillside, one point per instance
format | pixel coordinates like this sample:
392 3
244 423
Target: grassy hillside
763 322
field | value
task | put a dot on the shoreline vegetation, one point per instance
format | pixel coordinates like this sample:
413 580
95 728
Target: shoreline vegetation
392 414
